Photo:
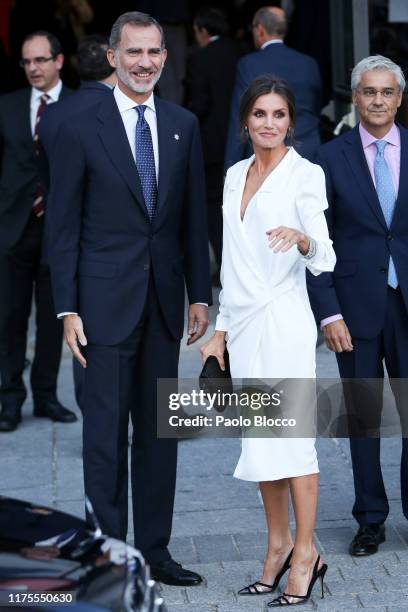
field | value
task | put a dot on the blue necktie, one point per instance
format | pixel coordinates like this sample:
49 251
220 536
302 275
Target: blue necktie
386 195
145 161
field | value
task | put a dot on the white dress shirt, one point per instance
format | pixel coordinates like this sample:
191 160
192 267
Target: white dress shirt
129 116
35 101
271 42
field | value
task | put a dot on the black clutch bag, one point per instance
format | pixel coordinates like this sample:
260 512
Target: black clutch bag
212 379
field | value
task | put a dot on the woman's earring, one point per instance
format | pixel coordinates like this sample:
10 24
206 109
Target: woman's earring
289 133
246 131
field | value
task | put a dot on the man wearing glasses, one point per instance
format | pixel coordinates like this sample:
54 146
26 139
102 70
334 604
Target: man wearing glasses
22 209
362 306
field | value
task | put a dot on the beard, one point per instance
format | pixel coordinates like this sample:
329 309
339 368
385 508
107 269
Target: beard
138 88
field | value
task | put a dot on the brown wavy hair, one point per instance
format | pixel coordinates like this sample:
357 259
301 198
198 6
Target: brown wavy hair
262 85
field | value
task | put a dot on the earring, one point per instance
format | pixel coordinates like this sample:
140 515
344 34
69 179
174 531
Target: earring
246 131
289 133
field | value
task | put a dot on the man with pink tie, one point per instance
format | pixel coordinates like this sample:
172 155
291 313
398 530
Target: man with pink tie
362 305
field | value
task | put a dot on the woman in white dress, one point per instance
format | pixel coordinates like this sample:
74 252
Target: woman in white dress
274 228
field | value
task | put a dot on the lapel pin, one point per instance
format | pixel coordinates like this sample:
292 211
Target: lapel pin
176 137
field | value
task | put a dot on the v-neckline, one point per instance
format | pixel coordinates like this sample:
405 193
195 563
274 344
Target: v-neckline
244 179
246 208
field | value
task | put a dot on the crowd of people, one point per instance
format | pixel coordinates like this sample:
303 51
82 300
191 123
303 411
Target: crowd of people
106 194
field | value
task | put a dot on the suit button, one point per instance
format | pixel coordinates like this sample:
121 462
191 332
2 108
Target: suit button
383 269
146 267
389 237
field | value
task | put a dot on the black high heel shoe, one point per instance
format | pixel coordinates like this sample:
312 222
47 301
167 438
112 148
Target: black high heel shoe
251 588
283 600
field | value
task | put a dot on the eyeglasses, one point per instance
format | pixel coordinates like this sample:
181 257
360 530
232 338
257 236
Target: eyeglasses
37 61
370 92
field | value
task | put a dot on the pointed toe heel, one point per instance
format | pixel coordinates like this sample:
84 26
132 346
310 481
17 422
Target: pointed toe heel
252 589
283 600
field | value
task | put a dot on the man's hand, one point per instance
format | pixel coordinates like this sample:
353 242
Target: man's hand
197 322
338 337
74 334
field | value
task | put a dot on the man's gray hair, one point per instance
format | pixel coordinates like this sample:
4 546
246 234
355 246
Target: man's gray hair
376 62
273 22
135 18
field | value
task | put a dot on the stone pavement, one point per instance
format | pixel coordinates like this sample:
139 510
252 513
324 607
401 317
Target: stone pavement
219 528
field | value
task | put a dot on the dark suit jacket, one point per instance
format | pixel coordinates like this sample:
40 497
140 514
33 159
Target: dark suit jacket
20 166
357 288
103 247
302 74
210 81
89 94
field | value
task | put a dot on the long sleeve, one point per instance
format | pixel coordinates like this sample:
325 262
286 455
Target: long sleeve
322 293
222 321
311 202
66 200
196 259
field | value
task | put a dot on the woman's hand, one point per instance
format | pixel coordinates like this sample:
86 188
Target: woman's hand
215 346
284 238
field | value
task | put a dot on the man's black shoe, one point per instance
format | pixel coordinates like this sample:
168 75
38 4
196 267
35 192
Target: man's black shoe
367 539
52 409
170 572
10 418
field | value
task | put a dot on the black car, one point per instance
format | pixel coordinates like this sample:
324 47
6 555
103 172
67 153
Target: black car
49 558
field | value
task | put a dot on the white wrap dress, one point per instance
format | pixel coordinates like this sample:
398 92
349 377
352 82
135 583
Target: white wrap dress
264 305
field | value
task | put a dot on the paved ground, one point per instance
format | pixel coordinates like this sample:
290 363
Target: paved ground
219 528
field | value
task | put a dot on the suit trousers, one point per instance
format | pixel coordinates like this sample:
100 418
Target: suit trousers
366 362
21 275
119 381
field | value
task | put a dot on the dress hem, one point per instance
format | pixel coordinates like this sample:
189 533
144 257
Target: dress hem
308 473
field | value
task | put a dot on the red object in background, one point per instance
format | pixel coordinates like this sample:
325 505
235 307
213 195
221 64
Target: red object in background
5 10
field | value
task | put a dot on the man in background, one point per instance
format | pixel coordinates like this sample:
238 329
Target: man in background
97 81
210 81
299 70
22 212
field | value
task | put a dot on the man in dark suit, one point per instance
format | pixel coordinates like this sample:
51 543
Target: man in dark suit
98 78
22 207
122 245
210 81
362 306
299 70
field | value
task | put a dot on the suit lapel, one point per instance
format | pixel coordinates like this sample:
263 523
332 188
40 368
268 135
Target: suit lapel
400 204
166 132
354 153
115 141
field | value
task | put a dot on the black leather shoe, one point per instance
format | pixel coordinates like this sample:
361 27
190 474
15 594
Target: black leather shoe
52 409
367 539
10 418
170 572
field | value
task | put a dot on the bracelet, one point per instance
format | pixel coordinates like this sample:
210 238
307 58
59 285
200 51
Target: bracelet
311 251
